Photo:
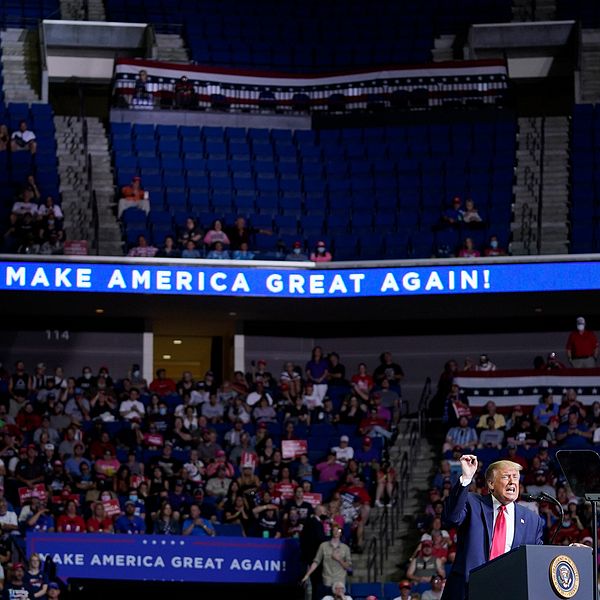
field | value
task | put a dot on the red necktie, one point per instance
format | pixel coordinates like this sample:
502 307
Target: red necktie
499 535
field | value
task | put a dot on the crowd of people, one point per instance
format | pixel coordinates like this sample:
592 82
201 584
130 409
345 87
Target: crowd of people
217 241
465 220
527 436
35 223
90 453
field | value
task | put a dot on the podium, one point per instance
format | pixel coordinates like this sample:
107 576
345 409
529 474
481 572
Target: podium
535 573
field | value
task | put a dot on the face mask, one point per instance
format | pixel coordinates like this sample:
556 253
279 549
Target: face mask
494 244
87 375
105 496
50 221
297 250
580 327
136 373
162 411
133 497
320 250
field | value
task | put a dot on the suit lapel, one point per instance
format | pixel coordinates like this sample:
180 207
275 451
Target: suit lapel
487 512
519 525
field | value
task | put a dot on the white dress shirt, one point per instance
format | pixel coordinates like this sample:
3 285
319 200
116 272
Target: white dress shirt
509 515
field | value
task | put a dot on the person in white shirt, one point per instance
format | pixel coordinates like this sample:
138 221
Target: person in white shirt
25 204
344 452
437 589
23 139
338 592
254 397
132 409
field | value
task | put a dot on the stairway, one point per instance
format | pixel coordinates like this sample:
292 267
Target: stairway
96 10
75 10
74 188
20 65
109 241
443 48
555 191
527 187
407 536
171 48
404 540
529 10
589 78
72 10
73 179
545 10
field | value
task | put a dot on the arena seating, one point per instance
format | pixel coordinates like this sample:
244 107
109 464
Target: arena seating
26 13
15 167
370 193
585 179
296 36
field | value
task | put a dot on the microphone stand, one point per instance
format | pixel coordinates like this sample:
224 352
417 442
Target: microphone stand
561 510
543 497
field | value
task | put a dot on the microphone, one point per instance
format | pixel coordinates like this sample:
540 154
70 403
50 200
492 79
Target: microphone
531 498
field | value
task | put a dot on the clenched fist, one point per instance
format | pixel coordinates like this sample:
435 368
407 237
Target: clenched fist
468 463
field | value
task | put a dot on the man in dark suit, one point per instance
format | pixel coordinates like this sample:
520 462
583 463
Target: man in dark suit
487 525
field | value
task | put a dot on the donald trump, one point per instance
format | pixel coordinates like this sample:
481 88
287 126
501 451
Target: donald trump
488 525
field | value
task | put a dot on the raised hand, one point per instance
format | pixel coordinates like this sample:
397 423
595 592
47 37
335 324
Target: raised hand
468 463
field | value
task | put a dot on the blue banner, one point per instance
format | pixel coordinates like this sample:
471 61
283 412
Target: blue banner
299 283
170 558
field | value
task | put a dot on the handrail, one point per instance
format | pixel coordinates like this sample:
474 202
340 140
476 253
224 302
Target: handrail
541 186
372 560
423 403
88 168
95 218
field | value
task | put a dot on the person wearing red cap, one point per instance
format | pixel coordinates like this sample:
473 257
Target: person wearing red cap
16 587
424 565
133 195
367 452
405 590
297 253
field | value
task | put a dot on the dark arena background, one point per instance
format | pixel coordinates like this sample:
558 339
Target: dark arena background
268 269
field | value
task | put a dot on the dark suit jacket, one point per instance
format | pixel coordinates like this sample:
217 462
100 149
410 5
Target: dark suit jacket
473 515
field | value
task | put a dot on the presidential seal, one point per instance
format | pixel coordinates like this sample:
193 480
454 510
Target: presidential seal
564 576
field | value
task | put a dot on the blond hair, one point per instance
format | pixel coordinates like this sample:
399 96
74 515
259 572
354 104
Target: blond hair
490 472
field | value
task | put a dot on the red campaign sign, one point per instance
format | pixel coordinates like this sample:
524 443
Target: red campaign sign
248 459
38 491
136 480
153 439
313 498
64 498
285 491
111 507
293 448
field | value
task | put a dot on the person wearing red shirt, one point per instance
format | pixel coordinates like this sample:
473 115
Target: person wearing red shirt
162 385
582 347
99 522
374 425
362 382
70 521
